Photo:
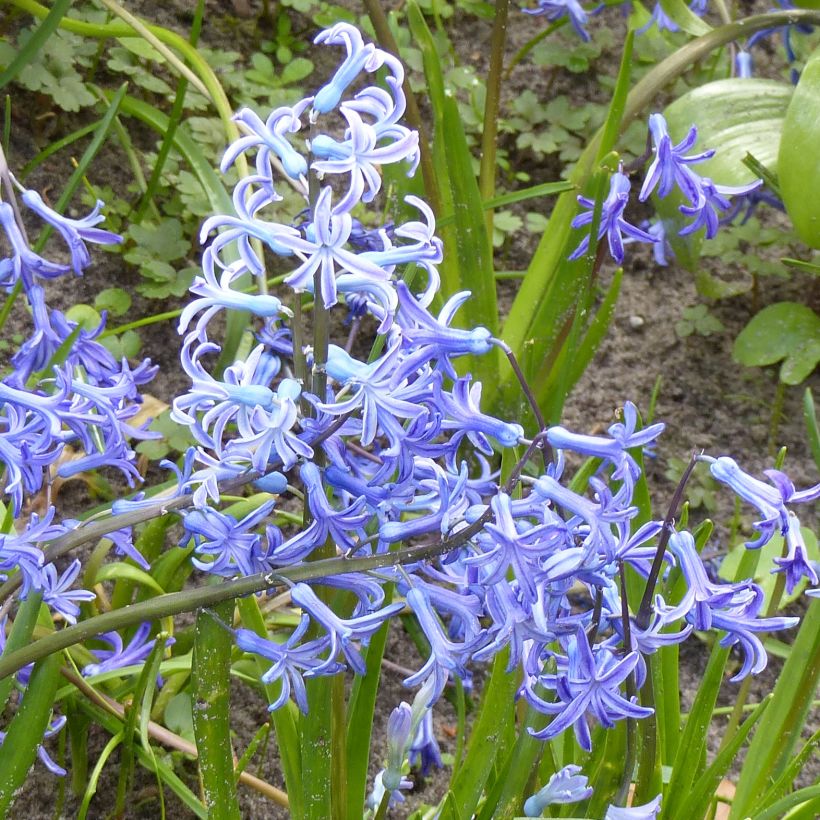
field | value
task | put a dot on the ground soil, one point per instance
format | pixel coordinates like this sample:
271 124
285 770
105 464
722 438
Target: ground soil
707 401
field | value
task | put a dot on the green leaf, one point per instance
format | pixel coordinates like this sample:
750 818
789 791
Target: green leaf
679 12
25 733
786 330
85 316
812 432
495 714
779 730
361 707
735 117
120 571
164 241
798 163
115 300
38 39
179 716
703 790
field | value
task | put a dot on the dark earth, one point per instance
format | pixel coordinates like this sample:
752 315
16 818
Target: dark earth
707 400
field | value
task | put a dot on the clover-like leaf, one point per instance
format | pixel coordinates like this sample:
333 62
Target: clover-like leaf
786 330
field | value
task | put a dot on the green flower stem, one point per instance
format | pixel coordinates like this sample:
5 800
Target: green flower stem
174 119
486 176
190 600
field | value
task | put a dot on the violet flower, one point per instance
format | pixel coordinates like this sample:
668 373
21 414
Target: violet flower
670 167
75 232
57 594
613 225
769 500
118 657
290 660
360 57
341 631
796 564
571 9
649 811
587 681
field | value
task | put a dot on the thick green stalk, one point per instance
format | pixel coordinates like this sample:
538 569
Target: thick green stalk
211 711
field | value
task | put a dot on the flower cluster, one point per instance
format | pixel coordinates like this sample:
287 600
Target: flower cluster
66 403
669 170
392 447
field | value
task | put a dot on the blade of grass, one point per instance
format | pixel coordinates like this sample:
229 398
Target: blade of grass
703 790
285 720
692 745
765 761
174 119
492 99
25 732
812 432
496 713
149 672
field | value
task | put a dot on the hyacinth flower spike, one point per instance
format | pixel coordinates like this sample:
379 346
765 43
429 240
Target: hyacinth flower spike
613 225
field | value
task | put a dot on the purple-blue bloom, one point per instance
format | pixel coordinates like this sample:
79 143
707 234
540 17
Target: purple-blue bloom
613 225
571 9
649 811
290 661
119 656
770 500
670 167
588 680
57 594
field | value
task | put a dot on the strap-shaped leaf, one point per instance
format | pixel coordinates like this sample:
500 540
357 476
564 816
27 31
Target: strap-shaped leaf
798 163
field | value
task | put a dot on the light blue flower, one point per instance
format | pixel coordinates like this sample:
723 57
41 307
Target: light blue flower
75 232
360 57
567 785
649 811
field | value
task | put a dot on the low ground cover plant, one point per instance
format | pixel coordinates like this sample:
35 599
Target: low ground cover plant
363 438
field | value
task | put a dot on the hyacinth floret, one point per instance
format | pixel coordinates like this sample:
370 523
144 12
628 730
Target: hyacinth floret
612 224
